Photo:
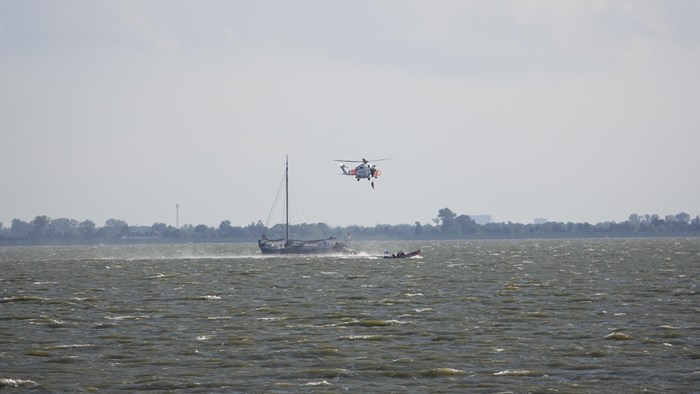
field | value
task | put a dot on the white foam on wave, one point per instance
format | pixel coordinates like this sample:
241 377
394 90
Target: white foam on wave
127 317
359 337
618 336
414 294
321 383
14 383
517 372
70 346
447 371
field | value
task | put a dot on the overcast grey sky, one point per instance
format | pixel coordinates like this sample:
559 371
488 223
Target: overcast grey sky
566 110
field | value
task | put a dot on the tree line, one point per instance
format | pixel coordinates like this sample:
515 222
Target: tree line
448 222
447 225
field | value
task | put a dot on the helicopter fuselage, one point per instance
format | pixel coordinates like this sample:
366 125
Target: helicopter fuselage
362 171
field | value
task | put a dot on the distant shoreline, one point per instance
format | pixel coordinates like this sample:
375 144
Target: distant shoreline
476 237
448 225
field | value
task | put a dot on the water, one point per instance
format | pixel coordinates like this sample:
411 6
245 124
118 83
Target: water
595 315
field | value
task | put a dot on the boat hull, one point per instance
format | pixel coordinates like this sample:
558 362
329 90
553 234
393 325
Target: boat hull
404 256
326 247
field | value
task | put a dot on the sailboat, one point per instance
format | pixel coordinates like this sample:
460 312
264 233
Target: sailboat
287 245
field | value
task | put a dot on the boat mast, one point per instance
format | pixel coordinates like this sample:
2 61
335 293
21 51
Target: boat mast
286 198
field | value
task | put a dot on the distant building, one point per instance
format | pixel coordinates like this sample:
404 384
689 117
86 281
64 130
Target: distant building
481 219
540 220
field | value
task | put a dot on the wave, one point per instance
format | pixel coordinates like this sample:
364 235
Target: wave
362 338
128 317
439 372
321 383
70 346
518 372
373 323
15 383
618 336
26 298
206 297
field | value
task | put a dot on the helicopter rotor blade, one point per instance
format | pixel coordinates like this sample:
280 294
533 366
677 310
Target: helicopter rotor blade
363 161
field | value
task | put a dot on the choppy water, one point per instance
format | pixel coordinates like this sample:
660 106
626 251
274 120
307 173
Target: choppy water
597 315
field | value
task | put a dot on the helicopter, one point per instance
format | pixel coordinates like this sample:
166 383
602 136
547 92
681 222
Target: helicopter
362 171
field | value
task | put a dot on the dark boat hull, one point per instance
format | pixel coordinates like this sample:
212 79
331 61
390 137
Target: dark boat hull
325 247
404 256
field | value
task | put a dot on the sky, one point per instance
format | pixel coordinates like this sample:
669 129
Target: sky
572 111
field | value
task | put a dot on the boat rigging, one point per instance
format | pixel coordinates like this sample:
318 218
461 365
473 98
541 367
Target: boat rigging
287 245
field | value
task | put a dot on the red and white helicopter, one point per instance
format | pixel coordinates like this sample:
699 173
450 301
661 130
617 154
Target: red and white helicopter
363 171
